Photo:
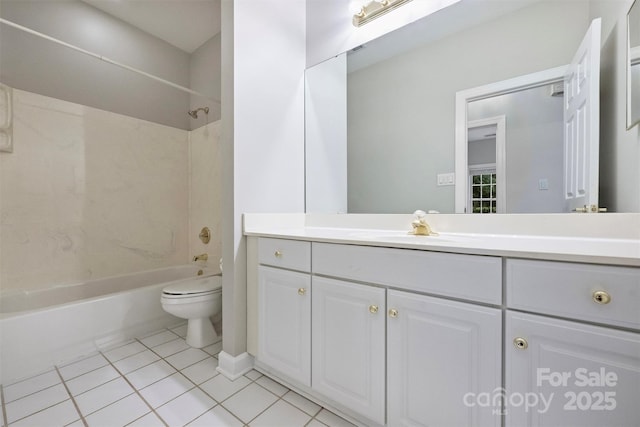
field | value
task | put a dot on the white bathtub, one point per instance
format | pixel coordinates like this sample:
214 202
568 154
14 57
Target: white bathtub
44 328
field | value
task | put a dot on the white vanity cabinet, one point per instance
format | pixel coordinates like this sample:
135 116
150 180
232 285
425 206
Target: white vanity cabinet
441 355
563 372
284 311
348 330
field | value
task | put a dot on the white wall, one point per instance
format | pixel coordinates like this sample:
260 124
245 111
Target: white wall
263 52
401 111
33 64
619 148
205 68
326 146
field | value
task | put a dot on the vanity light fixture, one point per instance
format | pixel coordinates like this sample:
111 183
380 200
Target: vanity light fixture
375 9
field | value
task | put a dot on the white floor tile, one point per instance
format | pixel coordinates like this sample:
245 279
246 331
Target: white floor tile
171 347
219 387
316 423
92 379
332 420
158 338
218 417
202 371
76 423
281 414
186 408
136 361
149 420
253 375
31 385
1 416
186 358
119 413
59 415
83 366
103 395
214 349
249 402
123 351
302 403
180 330
150 374
272 386
35 402
166 389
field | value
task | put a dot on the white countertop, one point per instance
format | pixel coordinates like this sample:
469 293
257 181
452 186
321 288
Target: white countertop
590 238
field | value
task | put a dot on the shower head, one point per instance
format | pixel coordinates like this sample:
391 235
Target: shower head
194 113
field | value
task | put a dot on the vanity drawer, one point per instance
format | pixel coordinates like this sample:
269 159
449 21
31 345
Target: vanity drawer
470 277
596 293
291 254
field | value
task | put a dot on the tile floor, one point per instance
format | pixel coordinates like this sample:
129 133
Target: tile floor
157 380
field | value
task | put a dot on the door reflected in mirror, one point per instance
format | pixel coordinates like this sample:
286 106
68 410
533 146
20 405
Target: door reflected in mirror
633 65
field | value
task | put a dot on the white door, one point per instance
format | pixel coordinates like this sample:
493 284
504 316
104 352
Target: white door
443 357
582 122
348 341
570 374
284 316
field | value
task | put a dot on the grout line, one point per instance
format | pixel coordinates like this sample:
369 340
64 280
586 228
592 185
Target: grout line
30 394
84 422
4 407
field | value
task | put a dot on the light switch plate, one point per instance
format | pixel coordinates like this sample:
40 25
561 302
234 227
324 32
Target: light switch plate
446 179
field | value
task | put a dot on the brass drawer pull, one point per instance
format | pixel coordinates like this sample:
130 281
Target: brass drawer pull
520 343
277 254
373 309
601 297
302 291
393 313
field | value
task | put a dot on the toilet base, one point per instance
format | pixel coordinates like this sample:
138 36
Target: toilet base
200 333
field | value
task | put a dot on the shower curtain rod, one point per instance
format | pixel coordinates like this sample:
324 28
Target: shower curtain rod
104 58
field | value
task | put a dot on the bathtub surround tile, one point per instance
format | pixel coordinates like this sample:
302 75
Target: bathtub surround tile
31 385
249 402
150 374
220 388
35 402
218 417
92 379
158 338
124 351
274 387
161 392
103 395
171 347
60 414
201 371
186 407
83 366
281 414
136 361
119 413
186 358
302 403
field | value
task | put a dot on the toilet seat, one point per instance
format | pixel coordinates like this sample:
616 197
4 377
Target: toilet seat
192 288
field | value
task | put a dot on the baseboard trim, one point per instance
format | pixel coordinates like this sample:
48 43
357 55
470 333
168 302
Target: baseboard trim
233 367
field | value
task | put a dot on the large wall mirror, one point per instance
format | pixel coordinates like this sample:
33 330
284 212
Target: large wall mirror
633 65
399 96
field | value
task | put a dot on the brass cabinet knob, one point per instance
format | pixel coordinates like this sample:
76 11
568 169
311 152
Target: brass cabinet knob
277 254
601 297
520 343
393 313
373 309
302 291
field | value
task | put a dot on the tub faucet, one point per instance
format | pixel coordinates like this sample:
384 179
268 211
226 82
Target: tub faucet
420 226
201 257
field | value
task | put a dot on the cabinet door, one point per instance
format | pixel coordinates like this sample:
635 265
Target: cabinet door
284 329
563 373
349 345
441 355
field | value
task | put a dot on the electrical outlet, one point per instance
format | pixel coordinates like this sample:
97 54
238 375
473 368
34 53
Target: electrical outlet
446 179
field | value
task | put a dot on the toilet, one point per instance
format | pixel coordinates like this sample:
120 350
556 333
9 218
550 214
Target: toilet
195 300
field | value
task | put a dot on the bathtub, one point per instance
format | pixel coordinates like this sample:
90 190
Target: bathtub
40 329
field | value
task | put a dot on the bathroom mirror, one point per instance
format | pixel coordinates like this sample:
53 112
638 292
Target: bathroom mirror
150 60
400 104
633 65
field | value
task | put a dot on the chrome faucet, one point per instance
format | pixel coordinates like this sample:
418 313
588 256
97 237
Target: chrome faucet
201 257
419 225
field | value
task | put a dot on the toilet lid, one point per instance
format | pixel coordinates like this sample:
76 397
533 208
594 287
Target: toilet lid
195 286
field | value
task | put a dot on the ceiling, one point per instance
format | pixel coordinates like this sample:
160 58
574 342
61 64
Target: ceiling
186 24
